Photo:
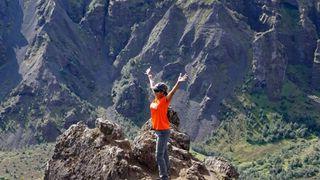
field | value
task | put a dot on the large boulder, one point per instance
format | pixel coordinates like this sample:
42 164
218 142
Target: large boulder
104 153
222 166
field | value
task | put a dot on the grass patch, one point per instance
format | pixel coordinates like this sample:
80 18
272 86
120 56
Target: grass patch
268 139
197 155
26 163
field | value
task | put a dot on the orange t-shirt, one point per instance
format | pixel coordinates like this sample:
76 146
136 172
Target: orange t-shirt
159 118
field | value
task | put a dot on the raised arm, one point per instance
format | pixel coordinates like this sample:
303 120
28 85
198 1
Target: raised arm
149 74
176 86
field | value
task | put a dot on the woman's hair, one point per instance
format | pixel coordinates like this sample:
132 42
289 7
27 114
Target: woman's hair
161 87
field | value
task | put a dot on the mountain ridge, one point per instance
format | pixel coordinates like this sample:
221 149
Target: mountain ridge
68 61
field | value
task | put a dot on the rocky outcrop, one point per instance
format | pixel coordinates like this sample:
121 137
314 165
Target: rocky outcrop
269 62
316 68
104 153
220 165
307 37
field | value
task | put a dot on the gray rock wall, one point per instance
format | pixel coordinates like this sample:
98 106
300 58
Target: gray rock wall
62 60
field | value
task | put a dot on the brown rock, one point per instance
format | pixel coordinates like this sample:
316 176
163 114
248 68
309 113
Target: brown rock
222 167
104 153
110 130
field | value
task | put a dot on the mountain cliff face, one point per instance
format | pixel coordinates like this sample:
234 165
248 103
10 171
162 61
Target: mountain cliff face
253 69
71 57
62 61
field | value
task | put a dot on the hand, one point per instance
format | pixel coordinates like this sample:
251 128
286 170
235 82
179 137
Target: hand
148 72
182 78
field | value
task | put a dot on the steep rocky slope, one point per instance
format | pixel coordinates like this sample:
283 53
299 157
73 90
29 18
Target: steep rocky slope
253 68
61 61
78 55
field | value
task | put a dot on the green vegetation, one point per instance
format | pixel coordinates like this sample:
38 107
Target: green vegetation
197 155
290 17
300 74
26 163
268 139
296 159
36 111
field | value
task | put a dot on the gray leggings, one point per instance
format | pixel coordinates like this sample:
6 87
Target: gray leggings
162 153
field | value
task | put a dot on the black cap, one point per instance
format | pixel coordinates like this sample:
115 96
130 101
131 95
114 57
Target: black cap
161 87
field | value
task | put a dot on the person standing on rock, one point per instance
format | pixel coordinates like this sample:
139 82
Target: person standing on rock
160 122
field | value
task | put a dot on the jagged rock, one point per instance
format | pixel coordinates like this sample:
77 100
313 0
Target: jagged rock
316 68
269 62
122 15
103 153
75 9
95 18
87 153
307 37
110 130
222 166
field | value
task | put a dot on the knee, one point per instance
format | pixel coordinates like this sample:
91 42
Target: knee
159 155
